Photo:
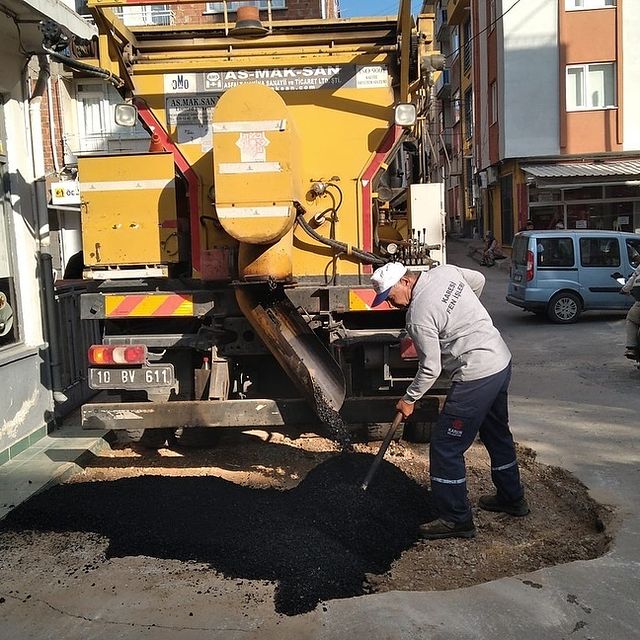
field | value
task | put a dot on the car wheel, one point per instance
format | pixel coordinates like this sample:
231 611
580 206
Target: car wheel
564 308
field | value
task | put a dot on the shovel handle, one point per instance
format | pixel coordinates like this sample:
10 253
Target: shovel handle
382 450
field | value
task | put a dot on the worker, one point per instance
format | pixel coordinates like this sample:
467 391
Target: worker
452 331
632 324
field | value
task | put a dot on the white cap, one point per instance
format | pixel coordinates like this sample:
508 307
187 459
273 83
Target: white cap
384 278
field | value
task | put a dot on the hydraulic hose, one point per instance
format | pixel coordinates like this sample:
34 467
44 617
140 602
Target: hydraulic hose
99 72
343 247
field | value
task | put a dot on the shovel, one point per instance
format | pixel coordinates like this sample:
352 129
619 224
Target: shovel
383 449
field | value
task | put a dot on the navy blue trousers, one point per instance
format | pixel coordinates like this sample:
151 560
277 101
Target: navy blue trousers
477 406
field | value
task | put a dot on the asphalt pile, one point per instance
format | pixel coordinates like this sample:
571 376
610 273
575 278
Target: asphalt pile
316 542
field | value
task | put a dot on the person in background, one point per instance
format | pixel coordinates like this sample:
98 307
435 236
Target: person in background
632 323
453 332
492 251
529 226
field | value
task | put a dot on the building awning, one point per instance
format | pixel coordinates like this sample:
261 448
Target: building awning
629 169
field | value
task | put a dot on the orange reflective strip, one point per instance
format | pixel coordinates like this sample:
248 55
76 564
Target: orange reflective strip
156 305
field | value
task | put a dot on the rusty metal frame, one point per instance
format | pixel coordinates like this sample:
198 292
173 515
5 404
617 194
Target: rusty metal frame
244 414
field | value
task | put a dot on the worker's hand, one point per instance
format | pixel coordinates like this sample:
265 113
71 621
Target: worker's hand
405 408
624 293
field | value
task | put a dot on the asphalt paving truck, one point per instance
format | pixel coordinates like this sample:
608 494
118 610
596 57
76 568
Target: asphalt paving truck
229 263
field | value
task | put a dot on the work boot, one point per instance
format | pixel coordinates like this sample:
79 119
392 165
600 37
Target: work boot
440 528
517 508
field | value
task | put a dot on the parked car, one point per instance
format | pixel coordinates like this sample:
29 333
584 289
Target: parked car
564 272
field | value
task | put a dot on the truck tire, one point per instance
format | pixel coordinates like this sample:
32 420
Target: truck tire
197 437
378 430
418 432
564 308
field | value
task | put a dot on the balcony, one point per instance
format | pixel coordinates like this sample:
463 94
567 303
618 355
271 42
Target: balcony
442 25
443 84
458 11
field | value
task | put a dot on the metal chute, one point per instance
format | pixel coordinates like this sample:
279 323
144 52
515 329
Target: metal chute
295 346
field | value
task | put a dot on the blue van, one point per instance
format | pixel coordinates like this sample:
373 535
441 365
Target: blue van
564 272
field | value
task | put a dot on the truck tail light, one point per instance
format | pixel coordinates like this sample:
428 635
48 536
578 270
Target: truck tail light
408 349
529 266
102 355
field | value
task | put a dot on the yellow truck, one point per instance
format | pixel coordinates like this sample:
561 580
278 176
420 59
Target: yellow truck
230 263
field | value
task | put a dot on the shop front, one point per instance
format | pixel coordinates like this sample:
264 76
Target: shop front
584 196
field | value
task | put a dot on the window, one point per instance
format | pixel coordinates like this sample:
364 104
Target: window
468 114
8 302
591 86
633 251
145 15
466 60
599 252
492 15
455 100
493 103
573 5
555 252
218 7
455 41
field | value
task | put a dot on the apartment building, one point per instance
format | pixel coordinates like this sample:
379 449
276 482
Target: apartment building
28 364
453 122
554 136
558 142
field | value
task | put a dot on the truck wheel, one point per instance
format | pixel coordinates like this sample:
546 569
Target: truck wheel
564 308
149 438
378 430
198 437
418 432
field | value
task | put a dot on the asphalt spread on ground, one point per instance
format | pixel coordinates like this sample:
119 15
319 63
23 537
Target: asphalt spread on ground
316 541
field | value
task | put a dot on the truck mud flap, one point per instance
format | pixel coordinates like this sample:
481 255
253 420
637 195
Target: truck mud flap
302 355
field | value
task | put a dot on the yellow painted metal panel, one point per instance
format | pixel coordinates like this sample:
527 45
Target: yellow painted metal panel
339 129
128 209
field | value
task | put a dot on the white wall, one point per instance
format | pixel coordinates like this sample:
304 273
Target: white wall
631 74
530 115
23 378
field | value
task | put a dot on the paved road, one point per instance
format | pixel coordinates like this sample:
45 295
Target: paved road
575 401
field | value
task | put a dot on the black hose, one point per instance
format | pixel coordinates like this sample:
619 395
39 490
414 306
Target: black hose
342 247
99 72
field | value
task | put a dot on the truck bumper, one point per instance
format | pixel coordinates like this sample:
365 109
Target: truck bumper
243 414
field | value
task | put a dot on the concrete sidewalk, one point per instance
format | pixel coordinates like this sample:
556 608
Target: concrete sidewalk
48 461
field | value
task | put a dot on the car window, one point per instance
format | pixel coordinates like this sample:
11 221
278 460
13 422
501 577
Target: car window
555 252
633 250
519 250
599 252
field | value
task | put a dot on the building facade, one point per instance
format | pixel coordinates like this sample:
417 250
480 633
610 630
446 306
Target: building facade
26 355
554 137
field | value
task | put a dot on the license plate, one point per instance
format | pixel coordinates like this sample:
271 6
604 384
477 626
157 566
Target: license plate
151 376
517 277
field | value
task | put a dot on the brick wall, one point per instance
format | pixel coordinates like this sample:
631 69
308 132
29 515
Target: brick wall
46 128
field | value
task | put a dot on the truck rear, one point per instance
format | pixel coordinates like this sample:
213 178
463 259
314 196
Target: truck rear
230 263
